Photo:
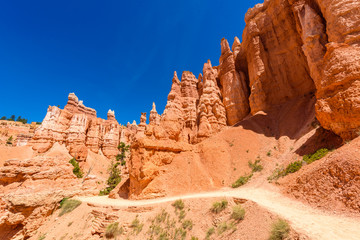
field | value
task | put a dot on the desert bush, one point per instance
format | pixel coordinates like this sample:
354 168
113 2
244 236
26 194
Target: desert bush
293 167
113 230
268 153
67 205
222 228
113 180
277 173
241 181
320 153
210 232
76 170
162 216
9 140
136 225
187 224
279 230
194 238
42 237
180 233
219 206
178 204
182 215
256 166
238 213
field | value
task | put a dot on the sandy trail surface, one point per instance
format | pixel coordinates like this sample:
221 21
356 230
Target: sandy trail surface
316 224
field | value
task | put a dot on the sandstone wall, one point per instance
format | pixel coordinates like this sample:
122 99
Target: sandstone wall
296 47
80 130
291 49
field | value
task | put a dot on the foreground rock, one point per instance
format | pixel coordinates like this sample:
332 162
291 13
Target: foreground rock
332 183
31 190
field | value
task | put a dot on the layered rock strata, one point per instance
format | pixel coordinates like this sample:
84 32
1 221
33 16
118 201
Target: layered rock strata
294 47
291 49
80 130
31 190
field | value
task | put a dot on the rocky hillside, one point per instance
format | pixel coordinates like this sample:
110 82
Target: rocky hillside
290 88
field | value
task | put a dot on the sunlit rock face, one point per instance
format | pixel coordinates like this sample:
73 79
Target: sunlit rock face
79 129
291 49
233 83
295 47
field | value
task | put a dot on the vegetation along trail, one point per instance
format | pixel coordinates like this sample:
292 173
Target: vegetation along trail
314 223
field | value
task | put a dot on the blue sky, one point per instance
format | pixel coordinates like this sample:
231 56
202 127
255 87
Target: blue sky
113 54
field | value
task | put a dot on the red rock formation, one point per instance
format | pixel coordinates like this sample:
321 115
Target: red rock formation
154 118
321 38
211 110
291 49
234 87
272 47
31 190
79 129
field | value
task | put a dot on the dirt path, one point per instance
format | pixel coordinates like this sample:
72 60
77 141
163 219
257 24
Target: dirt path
314 223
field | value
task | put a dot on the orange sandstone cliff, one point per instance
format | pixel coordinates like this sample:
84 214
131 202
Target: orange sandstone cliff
80 130
298 59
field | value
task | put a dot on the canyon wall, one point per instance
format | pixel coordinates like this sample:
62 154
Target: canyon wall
31 189
291 49
295 47
80 130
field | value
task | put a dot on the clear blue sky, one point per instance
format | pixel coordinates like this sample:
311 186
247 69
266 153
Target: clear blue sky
112 54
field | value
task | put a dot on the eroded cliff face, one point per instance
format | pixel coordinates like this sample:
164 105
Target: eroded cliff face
296 47
291 49
31 190
277 67
80 130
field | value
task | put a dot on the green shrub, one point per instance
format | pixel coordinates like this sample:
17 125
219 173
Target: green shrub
219 206
63 201
194 238
315 156
182 215
113 230
9 140
161 217
268 153
178 204
277 173
210 232
20 119
76 170
280 230
238 213
136 225
293 167
222 228
241 181
113 180
68 205
42 237
187 224
255 167
180 233
123 148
